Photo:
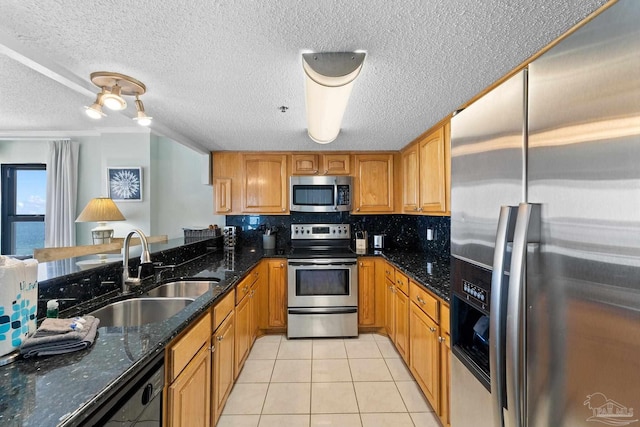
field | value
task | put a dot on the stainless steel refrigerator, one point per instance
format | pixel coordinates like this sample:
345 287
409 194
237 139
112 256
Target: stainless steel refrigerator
546 238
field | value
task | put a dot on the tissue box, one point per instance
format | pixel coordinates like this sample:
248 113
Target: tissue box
18 302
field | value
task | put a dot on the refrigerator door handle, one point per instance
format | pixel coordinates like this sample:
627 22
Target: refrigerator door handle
499 286
527 231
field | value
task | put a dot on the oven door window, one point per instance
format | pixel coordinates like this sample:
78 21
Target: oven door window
313 195
311 283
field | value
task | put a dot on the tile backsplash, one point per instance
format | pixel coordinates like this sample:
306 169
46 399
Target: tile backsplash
402 231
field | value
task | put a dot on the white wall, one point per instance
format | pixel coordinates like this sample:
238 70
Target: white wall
179 198
108 150
173 194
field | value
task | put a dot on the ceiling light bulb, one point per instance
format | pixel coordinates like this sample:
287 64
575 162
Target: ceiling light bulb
142 119
95 111
112 100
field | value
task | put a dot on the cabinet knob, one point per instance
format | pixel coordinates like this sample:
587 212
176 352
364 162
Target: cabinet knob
420 300
361 265
245 289
228 209
281 265
212 348
440 339
415 209
420 210
357 209
432 329
220 337
283 209
326 172
315 172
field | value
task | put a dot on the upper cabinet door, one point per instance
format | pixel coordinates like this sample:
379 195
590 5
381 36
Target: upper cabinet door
336 164
373 183
264 183
410 179
304 164
320 164
433 173
222 192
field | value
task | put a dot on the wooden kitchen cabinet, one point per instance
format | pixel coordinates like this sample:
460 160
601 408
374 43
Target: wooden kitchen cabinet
402 322
425 353
445 365
277 293
389 302
425 343
321 164
371 293
188 377
265 183
410 179
373 183
426 174
397 310
246 311
189 395
223 364
242 334
223 203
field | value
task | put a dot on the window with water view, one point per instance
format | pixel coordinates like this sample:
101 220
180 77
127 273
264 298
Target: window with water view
24 189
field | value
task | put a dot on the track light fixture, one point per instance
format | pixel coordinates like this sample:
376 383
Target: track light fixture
113 86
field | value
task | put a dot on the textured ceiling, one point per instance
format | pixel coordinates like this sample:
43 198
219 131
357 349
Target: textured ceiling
217 71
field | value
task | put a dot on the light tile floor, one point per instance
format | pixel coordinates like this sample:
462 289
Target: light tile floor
352 382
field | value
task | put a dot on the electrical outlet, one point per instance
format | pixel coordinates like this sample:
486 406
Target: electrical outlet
431 234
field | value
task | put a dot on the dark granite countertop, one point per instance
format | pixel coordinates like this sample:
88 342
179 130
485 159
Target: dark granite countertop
429 270
63 390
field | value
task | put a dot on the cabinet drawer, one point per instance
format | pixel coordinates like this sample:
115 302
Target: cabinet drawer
424 300
402 283
187 345
244 287
444 318
390 272
222 309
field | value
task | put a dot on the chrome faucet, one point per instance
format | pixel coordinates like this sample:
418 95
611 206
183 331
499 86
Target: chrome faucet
145 257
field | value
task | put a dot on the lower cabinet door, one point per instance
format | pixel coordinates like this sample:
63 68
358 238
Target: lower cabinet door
390 310
425 351
189 395
445 373
223 364
242 334
402 325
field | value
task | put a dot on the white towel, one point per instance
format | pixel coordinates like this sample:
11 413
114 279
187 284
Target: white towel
18 302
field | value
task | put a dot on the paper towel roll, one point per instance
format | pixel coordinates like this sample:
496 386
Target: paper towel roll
18 302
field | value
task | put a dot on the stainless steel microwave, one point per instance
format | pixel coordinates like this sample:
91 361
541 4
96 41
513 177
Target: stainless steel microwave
321 193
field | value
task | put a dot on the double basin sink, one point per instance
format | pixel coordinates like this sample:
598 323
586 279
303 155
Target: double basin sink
158 304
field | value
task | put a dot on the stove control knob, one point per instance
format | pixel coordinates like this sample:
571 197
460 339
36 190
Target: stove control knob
308 231
334 231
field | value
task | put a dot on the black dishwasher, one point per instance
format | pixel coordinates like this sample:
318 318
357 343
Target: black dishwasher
137 403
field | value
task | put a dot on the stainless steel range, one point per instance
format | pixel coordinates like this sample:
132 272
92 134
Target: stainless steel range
323 282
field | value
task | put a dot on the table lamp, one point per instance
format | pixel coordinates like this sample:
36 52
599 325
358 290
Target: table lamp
101 210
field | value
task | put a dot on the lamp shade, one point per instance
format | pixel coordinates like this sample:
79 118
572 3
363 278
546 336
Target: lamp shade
328 83
100 209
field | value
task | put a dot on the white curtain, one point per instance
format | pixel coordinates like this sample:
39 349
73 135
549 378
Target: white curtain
62 189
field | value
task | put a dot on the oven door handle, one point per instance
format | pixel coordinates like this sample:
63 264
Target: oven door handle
330 310
319 263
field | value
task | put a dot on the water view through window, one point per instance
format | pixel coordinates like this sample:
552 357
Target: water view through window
24 190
